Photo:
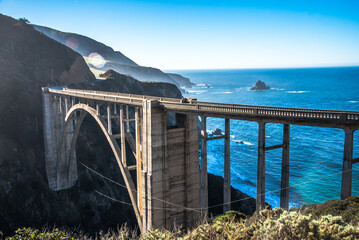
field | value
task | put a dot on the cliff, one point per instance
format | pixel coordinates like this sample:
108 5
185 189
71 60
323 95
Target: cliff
113 59
30 60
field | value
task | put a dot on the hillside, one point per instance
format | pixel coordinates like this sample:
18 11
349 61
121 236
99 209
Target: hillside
84 45
30 60
113 59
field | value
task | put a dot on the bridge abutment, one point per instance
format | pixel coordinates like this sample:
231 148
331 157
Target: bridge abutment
61 169
171 175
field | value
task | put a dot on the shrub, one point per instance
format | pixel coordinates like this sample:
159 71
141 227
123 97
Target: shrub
29 233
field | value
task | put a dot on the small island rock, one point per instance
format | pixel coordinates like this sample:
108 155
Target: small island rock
260 86
217 131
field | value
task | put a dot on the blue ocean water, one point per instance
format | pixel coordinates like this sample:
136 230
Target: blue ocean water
315 153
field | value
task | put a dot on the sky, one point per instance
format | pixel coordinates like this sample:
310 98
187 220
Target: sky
206 34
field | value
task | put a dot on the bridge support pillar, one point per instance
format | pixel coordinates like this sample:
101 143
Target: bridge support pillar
123 137
260 199
284 192
227 168
204 174
346 188
171 176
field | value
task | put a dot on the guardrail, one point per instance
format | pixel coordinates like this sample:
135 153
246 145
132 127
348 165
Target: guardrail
193 105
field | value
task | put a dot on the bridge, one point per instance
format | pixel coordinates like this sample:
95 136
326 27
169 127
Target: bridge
163 137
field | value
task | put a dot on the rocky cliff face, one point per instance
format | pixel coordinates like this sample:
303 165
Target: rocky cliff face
241 201
114 60
28 61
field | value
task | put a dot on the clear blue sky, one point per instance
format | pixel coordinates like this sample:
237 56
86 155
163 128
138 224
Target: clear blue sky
204 34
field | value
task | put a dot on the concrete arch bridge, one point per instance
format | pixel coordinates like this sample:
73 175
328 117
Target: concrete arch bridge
169 171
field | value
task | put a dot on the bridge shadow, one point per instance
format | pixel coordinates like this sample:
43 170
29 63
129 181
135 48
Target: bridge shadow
93 150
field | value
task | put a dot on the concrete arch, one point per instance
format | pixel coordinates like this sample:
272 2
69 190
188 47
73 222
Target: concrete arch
67 152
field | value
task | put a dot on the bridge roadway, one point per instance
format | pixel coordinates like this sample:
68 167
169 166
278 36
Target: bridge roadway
284 115
157 147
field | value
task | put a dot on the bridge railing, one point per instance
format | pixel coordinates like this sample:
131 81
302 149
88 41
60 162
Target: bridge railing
272 111
198 106
125 95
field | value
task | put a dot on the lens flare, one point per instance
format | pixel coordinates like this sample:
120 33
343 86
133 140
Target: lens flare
96 60
72 43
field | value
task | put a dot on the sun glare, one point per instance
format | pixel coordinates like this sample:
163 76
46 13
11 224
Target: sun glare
96 60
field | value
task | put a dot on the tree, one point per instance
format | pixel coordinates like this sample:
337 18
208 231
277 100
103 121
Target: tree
24 21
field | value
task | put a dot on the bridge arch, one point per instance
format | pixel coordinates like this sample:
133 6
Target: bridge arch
66 167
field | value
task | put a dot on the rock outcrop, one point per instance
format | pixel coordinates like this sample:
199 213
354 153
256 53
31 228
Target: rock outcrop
242 202
260 86
217 131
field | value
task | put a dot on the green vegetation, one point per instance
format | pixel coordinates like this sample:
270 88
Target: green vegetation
307 222
348 209
29 233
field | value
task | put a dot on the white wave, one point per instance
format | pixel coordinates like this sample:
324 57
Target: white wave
297 91
203 85
268 136
278 89
223 92
197 91
353 101
243 142
233 136
243 89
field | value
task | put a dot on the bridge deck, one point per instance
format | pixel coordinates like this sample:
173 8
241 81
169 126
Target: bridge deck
286 115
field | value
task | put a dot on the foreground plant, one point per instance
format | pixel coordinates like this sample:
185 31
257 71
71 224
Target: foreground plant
267 224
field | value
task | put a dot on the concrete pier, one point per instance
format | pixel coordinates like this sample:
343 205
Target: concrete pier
260 198
284 191
347 165
227 168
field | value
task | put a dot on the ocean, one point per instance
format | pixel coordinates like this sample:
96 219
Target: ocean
316 154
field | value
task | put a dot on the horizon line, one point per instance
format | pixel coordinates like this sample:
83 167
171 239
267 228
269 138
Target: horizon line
260 68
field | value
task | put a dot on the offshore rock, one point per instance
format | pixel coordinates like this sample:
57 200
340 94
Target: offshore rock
217 131
260 86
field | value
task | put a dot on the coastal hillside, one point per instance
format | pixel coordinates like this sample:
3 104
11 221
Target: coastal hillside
112 59
30 60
